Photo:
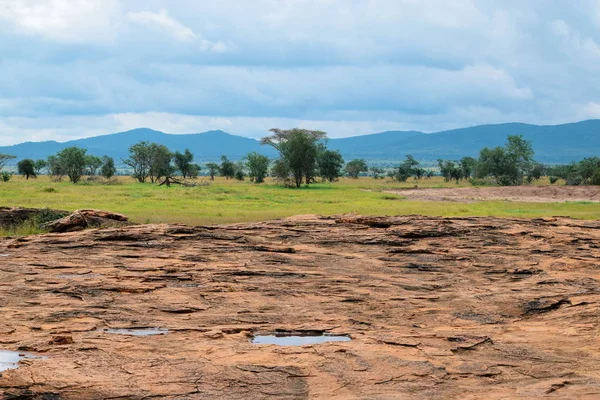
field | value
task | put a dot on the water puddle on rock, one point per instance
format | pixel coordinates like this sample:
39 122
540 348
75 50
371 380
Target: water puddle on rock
138 332
79 276
10 359
298 338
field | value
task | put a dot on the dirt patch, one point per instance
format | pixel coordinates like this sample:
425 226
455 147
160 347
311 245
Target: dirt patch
527 194
436 308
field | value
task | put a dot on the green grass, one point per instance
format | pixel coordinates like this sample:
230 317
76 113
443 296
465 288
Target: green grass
228 201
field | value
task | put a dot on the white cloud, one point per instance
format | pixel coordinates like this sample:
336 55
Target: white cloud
74 21
163 21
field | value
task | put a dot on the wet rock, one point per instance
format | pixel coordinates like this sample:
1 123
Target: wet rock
466 309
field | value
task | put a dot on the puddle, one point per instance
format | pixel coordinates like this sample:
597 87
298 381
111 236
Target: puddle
298 338
183 285
138 332
78 276
4 255
10 359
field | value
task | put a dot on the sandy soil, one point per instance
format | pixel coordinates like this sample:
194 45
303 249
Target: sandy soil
535 194
457 308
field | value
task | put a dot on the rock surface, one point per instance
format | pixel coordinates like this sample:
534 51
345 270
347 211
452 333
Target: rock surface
461 308
13 216
84 219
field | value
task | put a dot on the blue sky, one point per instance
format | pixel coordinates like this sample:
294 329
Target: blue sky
77 68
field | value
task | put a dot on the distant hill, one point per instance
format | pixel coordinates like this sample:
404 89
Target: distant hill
552 144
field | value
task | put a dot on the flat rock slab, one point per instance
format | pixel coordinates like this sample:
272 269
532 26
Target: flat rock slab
459 308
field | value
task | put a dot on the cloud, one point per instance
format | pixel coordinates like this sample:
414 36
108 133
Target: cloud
71 21
79 67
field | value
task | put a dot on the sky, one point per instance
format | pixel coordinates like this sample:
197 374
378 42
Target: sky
79 68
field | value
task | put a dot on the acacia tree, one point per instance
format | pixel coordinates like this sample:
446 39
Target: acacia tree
160 162
258 166
184 163
4 159
299 150
330 165
26 167
39 166
73 161
408 168
93 163
139 160
213 169
355 167
55 168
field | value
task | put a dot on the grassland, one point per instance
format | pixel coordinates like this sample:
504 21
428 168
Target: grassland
229 201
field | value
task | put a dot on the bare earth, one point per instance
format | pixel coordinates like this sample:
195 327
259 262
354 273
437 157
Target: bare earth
459 308
533 194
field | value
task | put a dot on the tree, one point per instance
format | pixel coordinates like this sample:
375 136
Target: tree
330 165
139 160
468 166
378 173
108 169
299 150
26 167
227 168
408 168
451 170
258 167
92 163
508 165
281 172
39 166
4 159
355 167
160 162
213 169
55 168
183 163
73 161
239 171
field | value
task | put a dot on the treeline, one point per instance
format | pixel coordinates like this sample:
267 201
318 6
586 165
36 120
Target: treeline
304 158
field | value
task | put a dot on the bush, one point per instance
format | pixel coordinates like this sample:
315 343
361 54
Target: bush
553 179
595 179
49 190
5 176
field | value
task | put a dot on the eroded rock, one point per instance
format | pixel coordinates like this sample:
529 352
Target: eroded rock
437 308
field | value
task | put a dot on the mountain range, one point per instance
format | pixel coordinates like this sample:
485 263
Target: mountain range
552 143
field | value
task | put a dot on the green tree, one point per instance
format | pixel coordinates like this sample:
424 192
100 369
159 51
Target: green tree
258 167
108 169
451 170
4 159
139 160
92 163
73 160
39 166
184 163
408 168
355 167
281 172
227 168
299 150
239 174
55 168
213 169
330 165
508 165
26 167
160 162
468 166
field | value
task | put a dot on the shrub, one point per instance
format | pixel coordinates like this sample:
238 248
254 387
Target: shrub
5 176
553 179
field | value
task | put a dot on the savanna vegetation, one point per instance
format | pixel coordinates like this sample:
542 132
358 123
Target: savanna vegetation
257 188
